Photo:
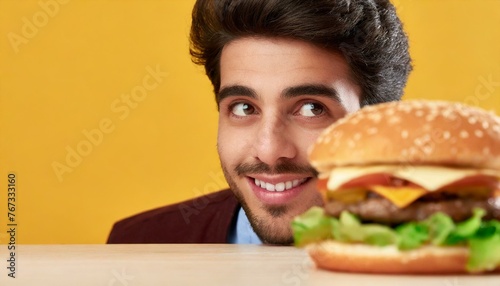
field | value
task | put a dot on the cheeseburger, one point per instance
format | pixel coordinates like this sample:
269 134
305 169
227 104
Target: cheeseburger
408 187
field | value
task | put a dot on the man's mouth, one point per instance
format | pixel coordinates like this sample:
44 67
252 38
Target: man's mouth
280 186
281 189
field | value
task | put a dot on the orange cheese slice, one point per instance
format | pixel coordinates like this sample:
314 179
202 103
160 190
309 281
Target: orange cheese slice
400 196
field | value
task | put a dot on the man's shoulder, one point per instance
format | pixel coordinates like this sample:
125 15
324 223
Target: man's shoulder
204 219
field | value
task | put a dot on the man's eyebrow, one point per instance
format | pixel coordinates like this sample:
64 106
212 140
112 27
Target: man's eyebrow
235 90
311 89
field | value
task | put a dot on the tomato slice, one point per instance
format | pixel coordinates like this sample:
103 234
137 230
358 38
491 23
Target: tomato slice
378 179
487 181
381 179
366 181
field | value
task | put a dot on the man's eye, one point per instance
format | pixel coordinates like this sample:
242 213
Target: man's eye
311 109
242 109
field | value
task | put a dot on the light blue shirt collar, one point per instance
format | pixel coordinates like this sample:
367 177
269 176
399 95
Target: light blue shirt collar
242 232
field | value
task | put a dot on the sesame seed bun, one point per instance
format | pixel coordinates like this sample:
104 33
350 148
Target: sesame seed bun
363 258
418 132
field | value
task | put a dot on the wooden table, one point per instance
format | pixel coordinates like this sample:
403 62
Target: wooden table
191 264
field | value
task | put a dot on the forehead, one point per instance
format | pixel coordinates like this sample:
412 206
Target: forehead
257 58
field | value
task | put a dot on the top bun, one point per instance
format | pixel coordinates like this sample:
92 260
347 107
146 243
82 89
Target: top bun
419 132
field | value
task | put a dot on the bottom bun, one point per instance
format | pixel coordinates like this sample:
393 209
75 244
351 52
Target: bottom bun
362 258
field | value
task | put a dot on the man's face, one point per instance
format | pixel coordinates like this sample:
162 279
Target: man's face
276 96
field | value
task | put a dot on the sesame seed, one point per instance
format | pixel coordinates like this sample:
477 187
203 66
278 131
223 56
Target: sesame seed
496 128
427 150
394 120
404 134
446 135
404 152
431 117
375 117
472 120
485 124
355 120
372 130
478 133
464 134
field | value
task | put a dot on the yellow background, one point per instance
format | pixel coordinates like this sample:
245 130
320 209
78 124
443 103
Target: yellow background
83 56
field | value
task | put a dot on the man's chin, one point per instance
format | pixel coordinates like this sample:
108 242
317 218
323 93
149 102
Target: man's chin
277 233
276 211
273 225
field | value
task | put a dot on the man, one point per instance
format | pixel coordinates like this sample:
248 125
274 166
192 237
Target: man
282 71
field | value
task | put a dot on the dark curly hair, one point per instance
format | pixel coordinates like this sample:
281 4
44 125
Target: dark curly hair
367 32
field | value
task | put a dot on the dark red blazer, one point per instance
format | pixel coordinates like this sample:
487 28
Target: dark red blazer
206 219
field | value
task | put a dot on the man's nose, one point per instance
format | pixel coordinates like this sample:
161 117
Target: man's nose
274 141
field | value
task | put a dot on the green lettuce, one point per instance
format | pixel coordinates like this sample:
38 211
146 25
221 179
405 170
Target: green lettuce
482 237
485 247
312 226
315 226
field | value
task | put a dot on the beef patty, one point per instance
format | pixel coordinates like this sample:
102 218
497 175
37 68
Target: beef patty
380 210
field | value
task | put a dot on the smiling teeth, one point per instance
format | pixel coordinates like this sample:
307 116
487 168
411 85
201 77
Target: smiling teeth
279 187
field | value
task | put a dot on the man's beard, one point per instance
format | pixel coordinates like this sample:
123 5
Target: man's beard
266 230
